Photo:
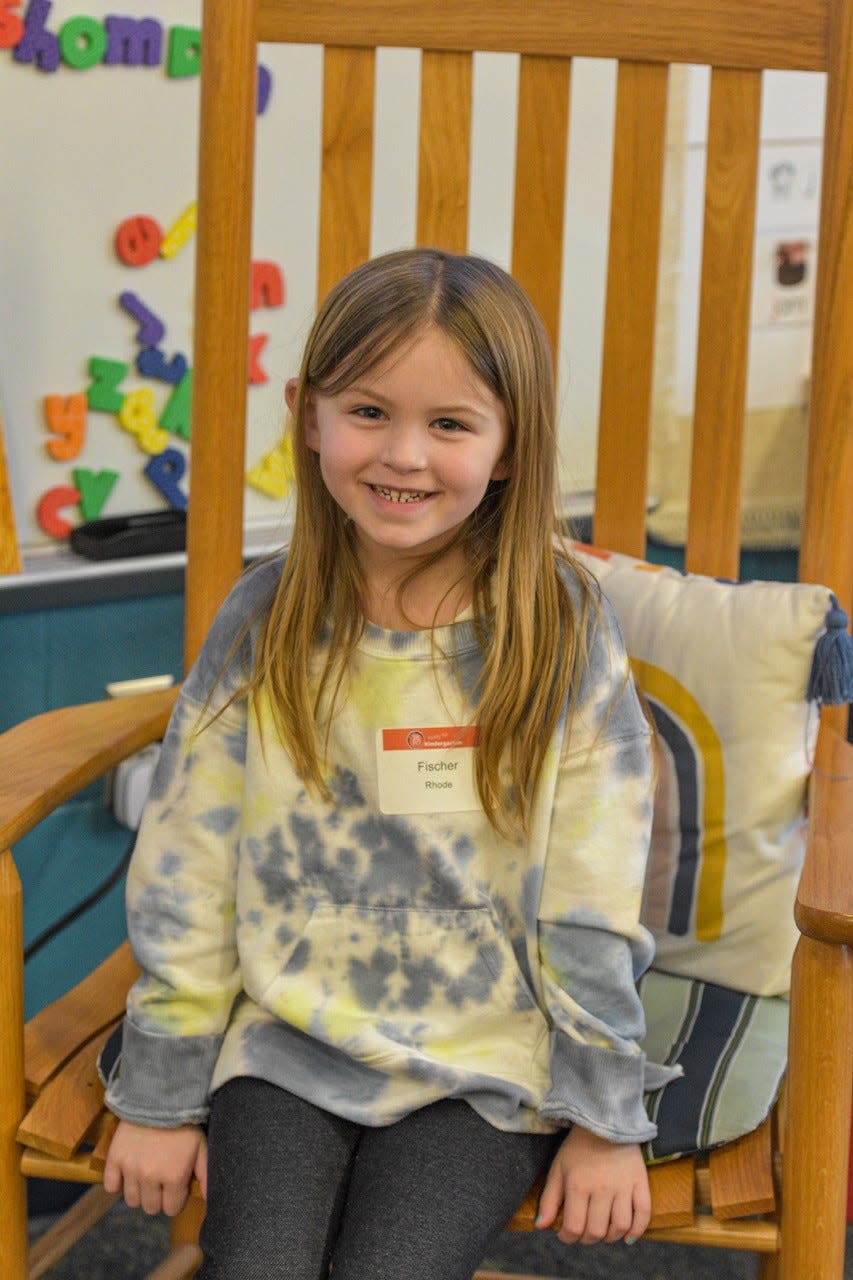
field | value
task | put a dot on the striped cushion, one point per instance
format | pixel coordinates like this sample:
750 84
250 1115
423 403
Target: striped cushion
732 1047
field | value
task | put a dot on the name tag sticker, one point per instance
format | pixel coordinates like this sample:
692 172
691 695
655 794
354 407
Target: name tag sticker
427 769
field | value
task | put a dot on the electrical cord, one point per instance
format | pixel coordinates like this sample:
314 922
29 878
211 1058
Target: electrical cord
82 907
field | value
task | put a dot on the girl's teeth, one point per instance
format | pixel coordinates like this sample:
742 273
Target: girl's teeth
398 495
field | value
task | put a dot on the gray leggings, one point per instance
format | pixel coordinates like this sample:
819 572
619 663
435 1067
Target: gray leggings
293 1189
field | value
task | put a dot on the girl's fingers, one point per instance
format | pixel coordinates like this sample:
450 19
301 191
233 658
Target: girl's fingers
131 1193
174 1199
622 1218
201 1168
550 1199
642 1204
151 1198
575 1218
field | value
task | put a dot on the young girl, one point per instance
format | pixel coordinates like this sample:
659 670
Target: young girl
385 895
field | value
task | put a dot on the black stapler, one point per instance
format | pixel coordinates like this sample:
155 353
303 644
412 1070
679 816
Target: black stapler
148 533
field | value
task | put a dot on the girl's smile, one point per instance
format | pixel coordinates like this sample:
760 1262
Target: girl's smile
409 451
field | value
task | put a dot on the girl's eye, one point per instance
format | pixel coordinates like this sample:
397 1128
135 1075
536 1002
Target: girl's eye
449 425
369 411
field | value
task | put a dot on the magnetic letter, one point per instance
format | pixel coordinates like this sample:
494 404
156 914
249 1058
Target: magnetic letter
104 392
264 88
66 417
274 474
177 235
164 472
267 285
257 374
38 45
151 363
11 26
176 415
138 240
184 56
134 41
49 506
137 416
82 42
151 328
95 487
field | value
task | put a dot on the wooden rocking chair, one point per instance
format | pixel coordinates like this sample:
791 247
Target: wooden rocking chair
51 1118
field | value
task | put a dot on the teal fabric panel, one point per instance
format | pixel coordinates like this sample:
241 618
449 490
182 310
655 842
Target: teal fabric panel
764 566
60 863
56 657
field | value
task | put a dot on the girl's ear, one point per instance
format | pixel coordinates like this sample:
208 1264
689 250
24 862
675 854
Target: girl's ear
502 469
312 436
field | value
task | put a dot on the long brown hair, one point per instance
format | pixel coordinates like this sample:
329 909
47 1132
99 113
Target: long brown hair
529 635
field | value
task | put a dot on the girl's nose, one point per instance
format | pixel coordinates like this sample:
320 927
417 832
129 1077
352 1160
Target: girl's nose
404 448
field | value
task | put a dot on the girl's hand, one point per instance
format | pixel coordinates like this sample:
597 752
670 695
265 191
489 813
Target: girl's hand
602 1187
153 1168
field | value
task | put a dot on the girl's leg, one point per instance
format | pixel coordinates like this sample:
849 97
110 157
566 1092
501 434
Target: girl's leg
277 1176
428 1193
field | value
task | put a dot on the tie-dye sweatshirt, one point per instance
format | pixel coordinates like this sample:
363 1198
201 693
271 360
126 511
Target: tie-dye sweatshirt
372 962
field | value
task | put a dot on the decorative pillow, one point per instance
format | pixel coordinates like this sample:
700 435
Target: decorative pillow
728 670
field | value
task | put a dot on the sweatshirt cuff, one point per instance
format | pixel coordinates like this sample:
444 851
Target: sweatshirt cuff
161 1080
602 1089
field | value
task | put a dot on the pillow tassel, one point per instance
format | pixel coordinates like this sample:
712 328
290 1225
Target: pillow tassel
831 678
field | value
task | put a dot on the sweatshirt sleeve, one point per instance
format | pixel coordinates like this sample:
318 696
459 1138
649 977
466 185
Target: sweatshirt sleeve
181 890
592 947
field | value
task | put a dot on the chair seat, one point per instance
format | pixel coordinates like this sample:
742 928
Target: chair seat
699 1198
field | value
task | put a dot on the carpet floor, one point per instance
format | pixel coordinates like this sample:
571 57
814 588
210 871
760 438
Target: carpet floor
126 1245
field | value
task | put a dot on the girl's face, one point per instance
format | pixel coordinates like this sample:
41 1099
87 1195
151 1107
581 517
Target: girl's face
408 450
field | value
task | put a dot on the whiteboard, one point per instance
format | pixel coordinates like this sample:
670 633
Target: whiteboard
88 148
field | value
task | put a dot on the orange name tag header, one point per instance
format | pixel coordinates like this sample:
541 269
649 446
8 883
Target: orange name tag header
434 738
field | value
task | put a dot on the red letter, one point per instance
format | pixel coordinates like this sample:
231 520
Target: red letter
49 507
267 285
257 373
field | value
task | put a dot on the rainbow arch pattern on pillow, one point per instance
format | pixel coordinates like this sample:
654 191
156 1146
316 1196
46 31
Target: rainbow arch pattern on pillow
687 864
725 669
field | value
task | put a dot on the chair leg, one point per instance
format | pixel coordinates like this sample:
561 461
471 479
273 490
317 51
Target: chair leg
181 1264
814 1166
13 1196
187 1224
769 1266
70 1228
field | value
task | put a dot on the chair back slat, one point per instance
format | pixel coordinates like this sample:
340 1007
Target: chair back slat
737 39
740 33
444 162
540 184
713 540
826 549
632 276
221 346
347 164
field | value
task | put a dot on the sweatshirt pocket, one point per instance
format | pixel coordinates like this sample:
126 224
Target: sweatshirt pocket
396 986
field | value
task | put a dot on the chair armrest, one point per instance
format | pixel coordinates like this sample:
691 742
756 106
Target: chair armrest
824 906
47 759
